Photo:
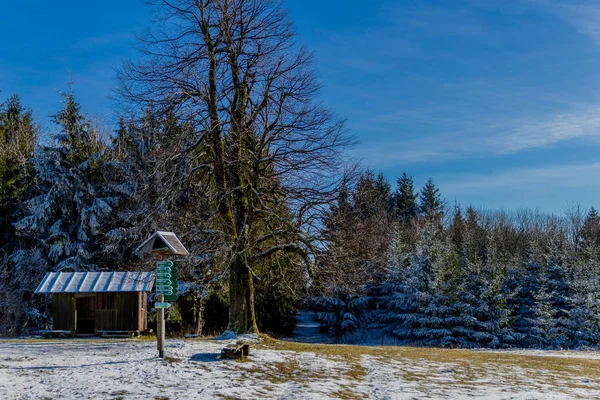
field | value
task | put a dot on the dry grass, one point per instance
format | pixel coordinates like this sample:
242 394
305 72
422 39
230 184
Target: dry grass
563 365
457 367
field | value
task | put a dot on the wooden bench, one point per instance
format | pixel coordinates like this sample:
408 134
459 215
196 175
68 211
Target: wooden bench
118 334
236 350
50 333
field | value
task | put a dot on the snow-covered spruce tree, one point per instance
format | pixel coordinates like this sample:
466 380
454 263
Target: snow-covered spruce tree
485 314
64 223
444 322
342 312
482 321
465 307
410 290
559 288
442 298
581 326
532 315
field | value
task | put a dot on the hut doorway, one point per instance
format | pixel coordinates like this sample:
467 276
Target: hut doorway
86 314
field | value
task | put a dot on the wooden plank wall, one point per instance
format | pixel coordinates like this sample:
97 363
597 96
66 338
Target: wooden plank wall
144 311
63 312
114 311
123 315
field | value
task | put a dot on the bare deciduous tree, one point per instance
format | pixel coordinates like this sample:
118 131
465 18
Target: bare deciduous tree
267 154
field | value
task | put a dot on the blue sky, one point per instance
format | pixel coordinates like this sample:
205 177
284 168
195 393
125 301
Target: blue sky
498 101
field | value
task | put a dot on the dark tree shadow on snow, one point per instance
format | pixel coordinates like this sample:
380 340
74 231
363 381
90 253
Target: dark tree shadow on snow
205 357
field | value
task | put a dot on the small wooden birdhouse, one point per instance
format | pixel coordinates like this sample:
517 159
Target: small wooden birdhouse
166 243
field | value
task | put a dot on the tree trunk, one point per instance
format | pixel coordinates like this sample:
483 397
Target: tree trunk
242 318
199 308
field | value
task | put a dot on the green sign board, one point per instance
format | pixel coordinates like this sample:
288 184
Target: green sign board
164 264
162 305
166 280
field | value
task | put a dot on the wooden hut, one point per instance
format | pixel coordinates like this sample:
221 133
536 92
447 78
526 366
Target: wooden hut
101 303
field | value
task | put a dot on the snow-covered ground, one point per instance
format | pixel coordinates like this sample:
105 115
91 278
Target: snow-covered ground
129 369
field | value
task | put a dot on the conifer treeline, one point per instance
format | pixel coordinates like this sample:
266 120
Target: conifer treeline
395 262
416 271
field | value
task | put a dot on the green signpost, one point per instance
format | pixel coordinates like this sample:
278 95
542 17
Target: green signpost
163 244
164 285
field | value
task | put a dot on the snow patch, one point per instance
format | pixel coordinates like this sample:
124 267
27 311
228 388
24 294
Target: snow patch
231 335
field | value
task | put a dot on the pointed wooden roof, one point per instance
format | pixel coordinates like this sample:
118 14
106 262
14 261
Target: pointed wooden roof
163 242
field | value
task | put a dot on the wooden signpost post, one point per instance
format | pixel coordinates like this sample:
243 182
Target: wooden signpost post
163 244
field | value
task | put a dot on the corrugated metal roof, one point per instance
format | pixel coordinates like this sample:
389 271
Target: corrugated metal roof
96 282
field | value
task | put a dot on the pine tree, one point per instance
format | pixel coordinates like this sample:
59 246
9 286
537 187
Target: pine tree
443 320
405 199
581 327
485 314
66 219
410 292
342 312
590 234
18 136
559 288
457 232
431 204
476 238
17 141
358 235
532 315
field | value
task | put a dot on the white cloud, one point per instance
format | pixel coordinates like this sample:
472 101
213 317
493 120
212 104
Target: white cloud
585 17
531 134
550 187
484 137
565 176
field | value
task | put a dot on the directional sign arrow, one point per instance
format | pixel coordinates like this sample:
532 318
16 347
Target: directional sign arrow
162 276
163 282
167 264
163 270
162 305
